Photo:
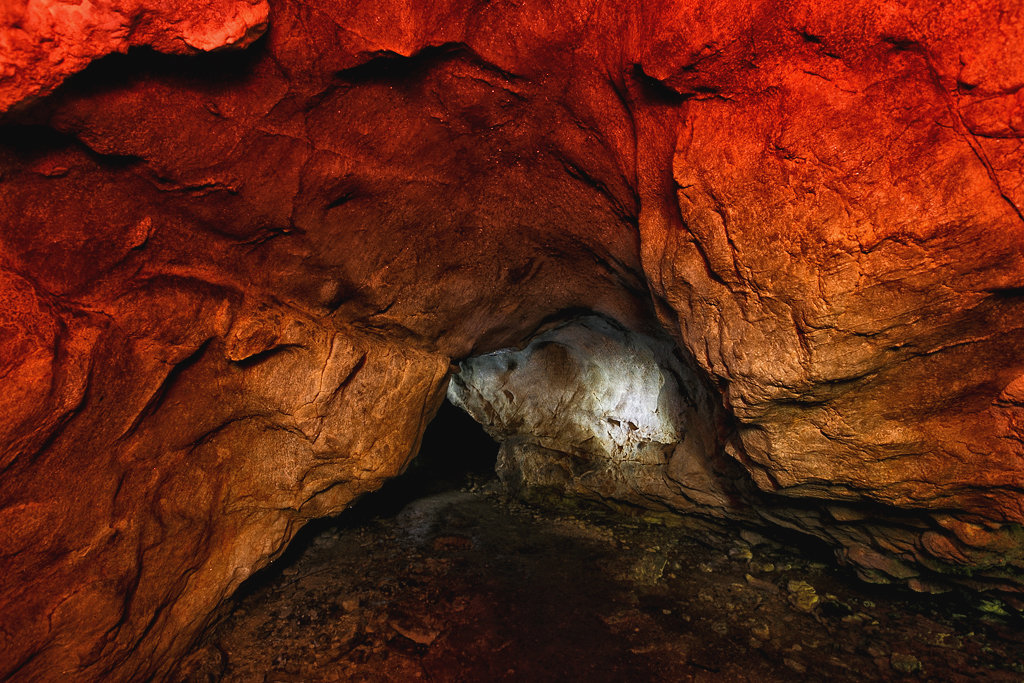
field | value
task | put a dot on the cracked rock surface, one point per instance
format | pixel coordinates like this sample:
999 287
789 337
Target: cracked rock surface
234 283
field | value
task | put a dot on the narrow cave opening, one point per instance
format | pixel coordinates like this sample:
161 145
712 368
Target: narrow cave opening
455 452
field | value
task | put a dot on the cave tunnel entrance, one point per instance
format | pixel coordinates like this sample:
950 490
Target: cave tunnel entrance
455 452
443 575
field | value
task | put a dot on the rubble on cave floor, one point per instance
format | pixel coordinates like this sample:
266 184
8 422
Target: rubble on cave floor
467 585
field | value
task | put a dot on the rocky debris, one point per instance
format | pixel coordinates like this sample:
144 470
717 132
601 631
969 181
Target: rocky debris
802 595
904 663
552 594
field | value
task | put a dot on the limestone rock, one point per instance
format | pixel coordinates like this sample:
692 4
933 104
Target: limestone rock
232 284
595 409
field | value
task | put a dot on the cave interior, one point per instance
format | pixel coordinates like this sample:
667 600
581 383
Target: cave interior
511 341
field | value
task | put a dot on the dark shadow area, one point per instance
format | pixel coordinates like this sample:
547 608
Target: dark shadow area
206 70
24 143
28 142
456 452
210 72
395 69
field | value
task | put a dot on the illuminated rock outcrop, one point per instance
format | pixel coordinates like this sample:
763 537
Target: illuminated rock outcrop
234 284
598 411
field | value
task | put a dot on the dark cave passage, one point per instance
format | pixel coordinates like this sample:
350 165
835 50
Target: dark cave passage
455 451
456 570
443 575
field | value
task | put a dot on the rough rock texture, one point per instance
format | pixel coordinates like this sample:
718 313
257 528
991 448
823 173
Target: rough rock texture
42 42
472 586
602 412
232 283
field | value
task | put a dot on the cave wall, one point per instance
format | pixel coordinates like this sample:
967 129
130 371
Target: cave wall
234 283
595 410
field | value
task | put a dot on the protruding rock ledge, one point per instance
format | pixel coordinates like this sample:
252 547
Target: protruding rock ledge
592 408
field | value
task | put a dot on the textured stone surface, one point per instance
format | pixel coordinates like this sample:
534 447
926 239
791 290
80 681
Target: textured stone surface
44 41
232 283
599 411
472 586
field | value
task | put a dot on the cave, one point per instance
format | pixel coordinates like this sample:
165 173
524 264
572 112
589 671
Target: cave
683 290
455 452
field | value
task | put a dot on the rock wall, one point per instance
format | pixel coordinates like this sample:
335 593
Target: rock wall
43 42
233 284
593 409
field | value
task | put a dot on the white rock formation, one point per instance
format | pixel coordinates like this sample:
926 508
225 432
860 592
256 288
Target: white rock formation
589 407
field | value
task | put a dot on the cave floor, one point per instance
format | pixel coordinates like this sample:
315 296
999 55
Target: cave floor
467 585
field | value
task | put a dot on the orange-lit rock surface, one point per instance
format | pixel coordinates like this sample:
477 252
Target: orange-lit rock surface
233 284
42 42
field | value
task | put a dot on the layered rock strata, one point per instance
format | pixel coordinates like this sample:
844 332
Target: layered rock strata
233 284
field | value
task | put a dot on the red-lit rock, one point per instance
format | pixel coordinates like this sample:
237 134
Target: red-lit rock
42 42
233 283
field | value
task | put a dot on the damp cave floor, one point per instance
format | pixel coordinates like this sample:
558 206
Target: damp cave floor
470 585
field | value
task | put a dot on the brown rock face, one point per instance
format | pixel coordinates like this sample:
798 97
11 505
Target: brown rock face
233 284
